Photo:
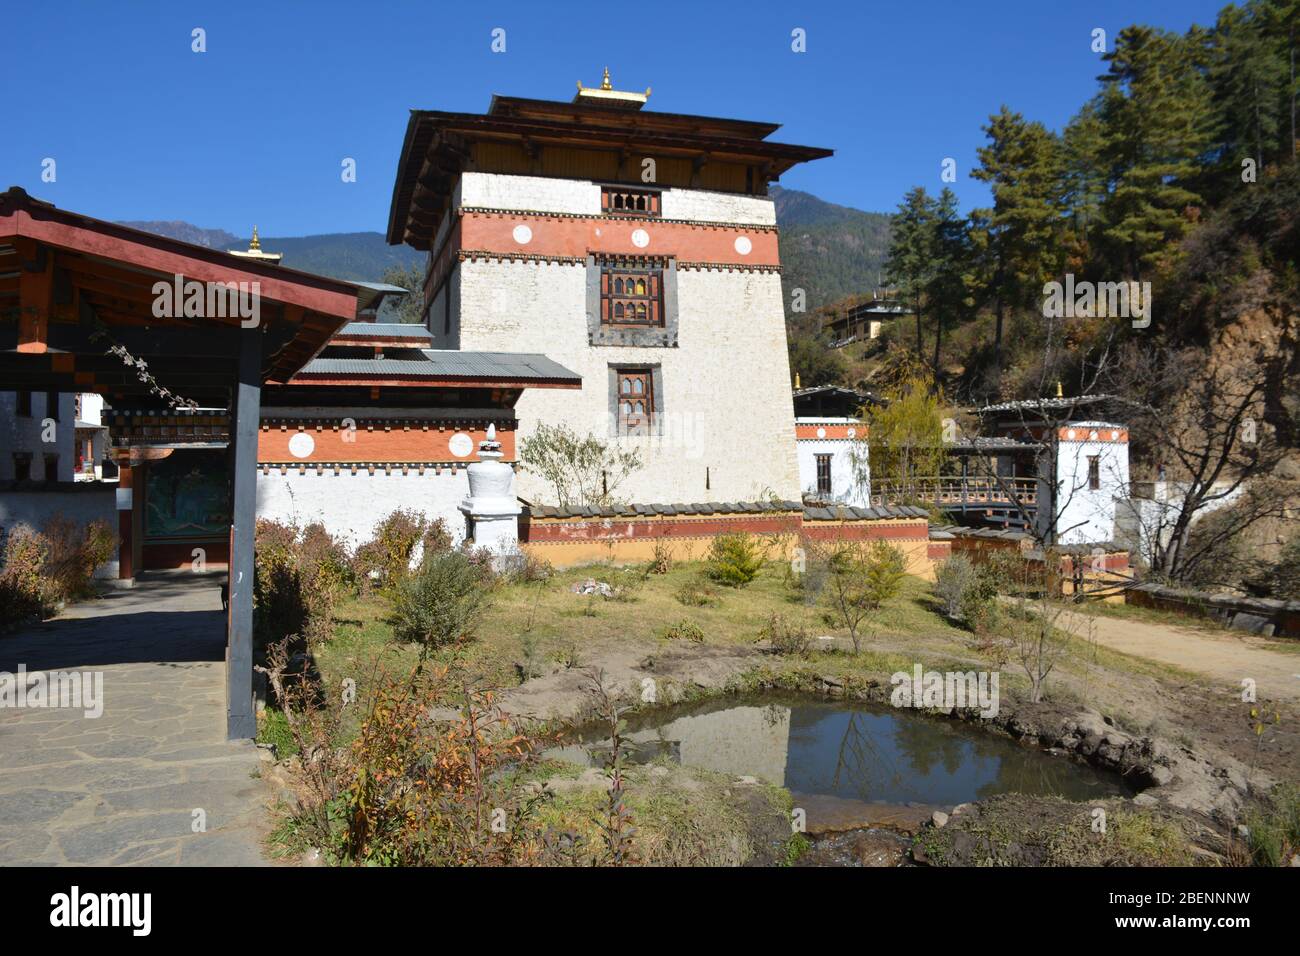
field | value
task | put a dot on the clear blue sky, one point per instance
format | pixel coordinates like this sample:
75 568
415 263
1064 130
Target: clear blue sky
255 129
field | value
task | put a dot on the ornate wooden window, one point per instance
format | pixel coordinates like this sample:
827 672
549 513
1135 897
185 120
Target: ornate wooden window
631 292
1094 473
619 201
636 400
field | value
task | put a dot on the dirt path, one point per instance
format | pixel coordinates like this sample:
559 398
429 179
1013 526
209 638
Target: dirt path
1223 656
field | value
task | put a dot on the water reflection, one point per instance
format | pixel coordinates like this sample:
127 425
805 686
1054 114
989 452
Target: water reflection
853 751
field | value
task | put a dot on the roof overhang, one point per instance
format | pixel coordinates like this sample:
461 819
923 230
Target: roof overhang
438 144
63 274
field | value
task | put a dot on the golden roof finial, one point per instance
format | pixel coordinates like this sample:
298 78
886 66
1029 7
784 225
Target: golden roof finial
254 251
606 95
796 381
1059 392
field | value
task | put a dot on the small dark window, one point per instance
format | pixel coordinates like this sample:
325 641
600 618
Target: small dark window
52 405
619 201
823 474
636 400
22 466
24 405
51 467
1094 473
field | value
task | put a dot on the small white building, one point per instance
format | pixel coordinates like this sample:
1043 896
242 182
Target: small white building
1087 478
1079 464
831 445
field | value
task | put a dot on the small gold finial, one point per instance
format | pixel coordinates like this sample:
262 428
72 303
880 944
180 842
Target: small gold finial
254 244
606 95
796 381
1059 392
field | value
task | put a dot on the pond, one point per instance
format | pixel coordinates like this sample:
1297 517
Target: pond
852 751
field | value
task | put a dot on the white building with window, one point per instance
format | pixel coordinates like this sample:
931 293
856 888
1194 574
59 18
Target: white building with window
37 436
636 248
831 445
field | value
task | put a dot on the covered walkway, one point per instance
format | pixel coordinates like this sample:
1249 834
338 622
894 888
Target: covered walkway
124 787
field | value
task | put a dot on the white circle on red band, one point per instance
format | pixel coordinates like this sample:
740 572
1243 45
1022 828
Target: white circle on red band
640 238
523 235
743 245
301 445
460 444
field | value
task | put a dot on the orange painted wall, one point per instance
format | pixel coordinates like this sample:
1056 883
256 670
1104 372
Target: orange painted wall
579 235
412 444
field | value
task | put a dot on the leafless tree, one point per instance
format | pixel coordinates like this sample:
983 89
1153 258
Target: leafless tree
1202 424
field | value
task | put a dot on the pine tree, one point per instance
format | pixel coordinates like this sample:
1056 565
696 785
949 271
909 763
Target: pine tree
1157 112
909 267
1024 166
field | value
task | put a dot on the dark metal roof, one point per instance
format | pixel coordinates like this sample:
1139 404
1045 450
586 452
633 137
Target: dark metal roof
386 330
494 366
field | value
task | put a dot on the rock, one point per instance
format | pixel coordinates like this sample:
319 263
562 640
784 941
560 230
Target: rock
939 818
751 781
1145 800
1295 860
831 681
960 809
918 854
1161 776
1253 623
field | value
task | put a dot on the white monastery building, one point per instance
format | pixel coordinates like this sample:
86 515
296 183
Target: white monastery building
636 249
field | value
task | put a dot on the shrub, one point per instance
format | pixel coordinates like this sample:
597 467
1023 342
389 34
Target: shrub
859 581
43 569
661 561
410 791
23 591
735 559
443 602
1274 830
696 593
298 578
388 556
684 630
627 583
967 590
786 638
531 570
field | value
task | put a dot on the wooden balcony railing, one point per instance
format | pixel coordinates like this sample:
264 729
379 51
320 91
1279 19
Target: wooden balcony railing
945 490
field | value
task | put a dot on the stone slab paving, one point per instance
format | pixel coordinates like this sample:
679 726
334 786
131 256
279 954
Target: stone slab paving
122 788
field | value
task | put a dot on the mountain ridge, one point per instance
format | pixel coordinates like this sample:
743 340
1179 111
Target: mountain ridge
828 250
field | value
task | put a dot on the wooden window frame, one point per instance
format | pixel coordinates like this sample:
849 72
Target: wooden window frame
824 485
629 201
628 420
644 304
1094 473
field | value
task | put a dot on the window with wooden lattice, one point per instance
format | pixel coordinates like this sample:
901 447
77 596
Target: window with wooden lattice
618 200
631 293
636 400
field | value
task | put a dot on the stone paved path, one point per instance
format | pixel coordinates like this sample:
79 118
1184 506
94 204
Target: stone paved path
122 788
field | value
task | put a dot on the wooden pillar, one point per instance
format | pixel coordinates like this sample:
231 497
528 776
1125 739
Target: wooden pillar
241 721
125 521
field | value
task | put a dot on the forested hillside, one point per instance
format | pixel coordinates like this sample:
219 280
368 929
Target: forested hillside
829 251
